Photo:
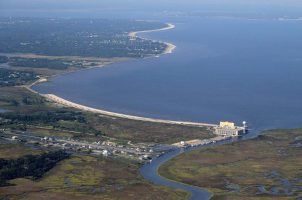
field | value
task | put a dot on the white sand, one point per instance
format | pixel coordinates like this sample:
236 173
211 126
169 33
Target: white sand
67 103
170 47
169 26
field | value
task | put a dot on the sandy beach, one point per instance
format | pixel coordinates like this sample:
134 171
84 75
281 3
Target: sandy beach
170 47
64 102
169 26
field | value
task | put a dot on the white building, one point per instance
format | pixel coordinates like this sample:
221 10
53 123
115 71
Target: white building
229 129
105 152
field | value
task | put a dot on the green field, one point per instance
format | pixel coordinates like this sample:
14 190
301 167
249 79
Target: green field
268 167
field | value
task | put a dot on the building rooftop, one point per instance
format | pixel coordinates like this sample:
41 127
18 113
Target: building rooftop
227 125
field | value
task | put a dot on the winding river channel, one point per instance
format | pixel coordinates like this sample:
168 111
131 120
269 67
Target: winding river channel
150 171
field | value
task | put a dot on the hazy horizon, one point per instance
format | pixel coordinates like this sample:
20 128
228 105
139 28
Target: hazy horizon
96 8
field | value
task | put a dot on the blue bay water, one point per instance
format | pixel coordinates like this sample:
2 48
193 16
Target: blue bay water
222 69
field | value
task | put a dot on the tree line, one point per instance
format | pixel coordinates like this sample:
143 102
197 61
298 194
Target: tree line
34 166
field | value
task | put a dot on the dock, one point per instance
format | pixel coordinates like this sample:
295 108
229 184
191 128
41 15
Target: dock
198 142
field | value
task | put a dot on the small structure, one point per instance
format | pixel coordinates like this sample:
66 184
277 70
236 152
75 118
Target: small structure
14 137
229 129
105 152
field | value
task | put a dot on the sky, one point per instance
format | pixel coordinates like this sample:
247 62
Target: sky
71 7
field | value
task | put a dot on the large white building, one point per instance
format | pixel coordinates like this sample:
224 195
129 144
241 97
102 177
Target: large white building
229 129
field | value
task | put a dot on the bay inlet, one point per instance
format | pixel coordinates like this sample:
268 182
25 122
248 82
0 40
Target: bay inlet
208 78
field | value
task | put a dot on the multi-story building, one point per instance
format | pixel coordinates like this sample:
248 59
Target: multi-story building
229 129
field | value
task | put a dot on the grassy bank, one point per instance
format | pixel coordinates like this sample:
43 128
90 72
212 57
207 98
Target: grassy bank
31 112
83 177
268 167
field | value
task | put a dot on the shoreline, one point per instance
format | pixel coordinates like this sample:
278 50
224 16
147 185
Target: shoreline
67 103
134 33
64 102
170 47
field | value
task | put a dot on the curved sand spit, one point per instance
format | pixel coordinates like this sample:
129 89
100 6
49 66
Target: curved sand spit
170 47
67 103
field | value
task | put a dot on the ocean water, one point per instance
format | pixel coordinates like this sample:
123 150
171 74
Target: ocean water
223 68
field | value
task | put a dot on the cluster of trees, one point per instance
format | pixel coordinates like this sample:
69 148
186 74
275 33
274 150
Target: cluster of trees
12 77
38 63
59 64
34 166
62 119
45 116
31 101
77 37
23 100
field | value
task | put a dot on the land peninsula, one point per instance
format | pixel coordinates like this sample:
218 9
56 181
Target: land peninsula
170 47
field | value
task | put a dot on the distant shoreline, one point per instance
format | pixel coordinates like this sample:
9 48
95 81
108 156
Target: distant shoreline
134 33
170 47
